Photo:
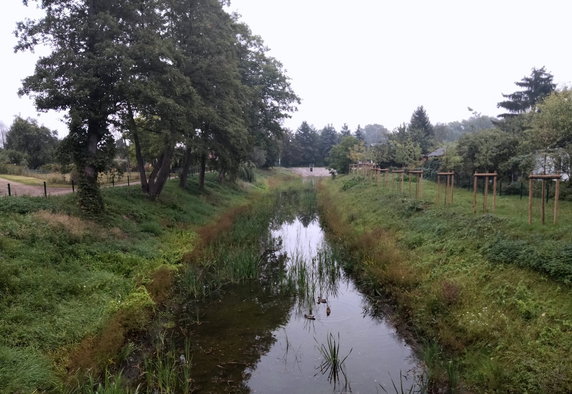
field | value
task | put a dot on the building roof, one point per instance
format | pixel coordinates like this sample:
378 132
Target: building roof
437 153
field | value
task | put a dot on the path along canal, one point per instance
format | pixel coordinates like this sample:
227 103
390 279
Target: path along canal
280 334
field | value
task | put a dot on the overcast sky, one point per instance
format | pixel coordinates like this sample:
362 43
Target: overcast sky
375 61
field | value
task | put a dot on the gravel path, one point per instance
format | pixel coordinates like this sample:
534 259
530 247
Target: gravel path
316 171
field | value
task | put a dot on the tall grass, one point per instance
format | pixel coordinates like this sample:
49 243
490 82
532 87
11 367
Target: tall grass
169 371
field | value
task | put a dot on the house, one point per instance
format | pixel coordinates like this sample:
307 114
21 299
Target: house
434 155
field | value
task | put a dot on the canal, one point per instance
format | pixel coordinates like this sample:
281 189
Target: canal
303 327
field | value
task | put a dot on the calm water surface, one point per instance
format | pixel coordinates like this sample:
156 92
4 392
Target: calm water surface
258 340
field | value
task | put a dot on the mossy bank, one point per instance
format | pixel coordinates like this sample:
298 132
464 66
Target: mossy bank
487 295
72 290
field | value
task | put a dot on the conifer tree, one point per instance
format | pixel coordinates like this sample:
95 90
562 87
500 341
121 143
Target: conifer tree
534 88
420 130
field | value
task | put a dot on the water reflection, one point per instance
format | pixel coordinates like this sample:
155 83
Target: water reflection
304 327
341 321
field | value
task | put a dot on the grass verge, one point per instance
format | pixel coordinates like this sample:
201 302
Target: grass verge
488 294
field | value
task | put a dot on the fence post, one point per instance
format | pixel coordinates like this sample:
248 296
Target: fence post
127 180
45 189
73 186
9 191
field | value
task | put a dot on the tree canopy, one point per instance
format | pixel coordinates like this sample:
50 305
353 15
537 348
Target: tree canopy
167 75
37 144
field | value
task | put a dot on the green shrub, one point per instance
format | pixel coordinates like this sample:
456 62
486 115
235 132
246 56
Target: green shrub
546 259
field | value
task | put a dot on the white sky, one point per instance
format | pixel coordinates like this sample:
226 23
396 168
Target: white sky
375 61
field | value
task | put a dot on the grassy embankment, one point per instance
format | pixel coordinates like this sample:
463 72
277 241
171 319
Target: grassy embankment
72 290
487 295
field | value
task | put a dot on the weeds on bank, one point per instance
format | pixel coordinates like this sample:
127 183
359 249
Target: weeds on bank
169 371
71 290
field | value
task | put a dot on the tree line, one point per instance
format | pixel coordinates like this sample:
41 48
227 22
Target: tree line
175 84
533 134
185 82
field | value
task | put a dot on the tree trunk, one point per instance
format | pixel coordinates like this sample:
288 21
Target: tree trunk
89 194
161 172
202 171
186 167
138 153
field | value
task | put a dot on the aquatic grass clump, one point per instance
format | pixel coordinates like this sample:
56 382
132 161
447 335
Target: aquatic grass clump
332 360
419 385
308 280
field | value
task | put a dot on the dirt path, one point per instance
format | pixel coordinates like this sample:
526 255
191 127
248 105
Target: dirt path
316 171
19 189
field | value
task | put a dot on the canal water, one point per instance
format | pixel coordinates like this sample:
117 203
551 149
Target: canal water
306 330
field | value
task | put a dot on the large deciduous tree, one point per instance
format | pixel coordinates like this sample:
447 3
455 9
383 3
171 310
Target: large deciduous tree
37 143
375 134
206 36
552 124
81 76
339 158
268 94
487 151
158 98
551 130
